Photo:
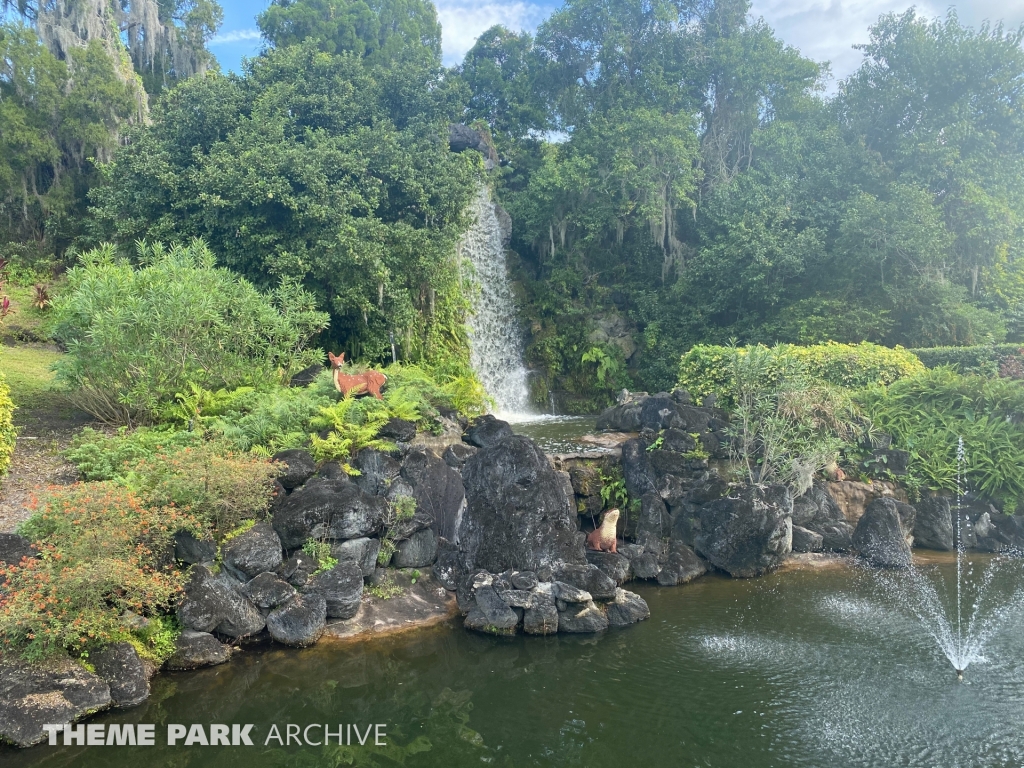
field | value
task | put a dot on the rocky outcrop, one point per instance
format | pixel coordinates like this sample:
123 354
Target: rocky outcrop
212 602
439 493
298 466
681 566
747 534
32 696
253 552
300 622
627 608
884 533
341 588
486 431
197 649
817 512
613 565
588 578
124 672
326 508
418 551
462 138
268 591
363 552
805 540
189 549
933 524
377 470
519 513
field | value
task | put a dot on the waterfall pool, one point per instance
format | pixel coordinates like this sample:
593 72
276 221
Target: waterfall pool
805 668
554 434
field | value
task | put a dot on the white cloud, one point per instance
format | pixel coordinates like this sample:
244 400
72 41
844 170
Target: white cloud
236 36
827 30
462 23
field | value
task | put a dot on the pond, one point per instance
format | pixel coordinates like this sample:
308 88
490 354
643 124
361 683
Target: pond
809 667
556 434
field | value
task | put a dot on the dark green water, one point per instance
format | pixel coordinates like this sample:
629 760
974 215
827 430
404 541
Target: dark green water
806 668
557 434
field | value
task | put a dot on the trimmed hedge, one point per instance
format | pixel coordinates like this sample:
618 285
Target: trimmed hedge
707 369
8 435
983 358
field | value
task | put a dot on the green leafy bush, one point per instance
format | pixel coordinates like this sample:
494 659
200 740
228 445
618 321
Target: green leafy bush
353 424
136 337
926 414
707 369
8 435
102 456
982 359
103 552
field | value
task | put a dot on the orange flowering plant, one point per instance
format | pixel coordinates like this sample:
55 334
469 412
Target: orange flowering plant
102 554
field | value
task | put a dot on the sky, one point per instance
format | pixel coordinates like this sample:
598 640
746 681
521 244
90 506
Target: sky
824 30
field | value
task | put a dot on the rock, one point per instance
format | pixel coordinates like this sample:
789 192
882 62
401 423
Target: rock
214 603
524 579
644 564
462 137
268 591
819 512
570 593
588 578
654 523
439 493
377 471
298 465
197 649
516 598
933 524
399 430
456 454
363 552
342 588
678 441
749 534
983 526
32 696
297 569
189 549
418 551
627 608
327 509
542 617
519 513
889 461
853 497
682 566
14 547
586 480
307 376
884 533
300 621
491 614
635 468
806 541
615 566
450 566
253 552
486 431
582 618
124 672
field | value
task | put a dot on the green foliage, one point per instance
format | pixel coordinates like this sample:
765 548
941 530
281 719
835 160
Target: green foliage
613 489
708 369
353 424
156 640
400 509
926 414
320 551
102 553
610 368
102 456
981 359
136 337
8 434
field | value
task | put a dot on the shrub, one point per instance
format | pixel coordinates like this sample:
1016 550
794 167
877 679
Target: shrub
102 553
353 424
137 337
8 434
708 369
218 487
983 359
102 456
926 414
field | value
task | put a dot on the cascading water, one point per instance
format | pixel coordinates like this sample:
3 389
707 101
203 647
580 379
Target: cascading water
495 341
962 637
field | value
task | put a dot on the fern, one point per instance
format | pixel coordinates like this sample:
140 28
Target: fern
354 425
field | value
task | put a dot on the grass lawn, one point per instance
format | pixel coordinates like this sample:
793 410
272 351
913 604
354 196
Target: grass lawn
27 370
25 323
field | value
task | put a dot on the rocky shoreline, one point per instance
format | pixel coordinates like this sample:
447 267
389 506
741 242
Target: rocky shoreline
498 536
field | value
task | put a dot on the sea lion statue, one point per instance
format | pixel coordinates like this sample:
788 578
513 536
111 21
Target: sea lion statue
603 539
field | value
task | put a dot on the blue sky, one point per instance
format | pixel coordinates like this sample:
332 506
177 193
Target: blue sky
824 30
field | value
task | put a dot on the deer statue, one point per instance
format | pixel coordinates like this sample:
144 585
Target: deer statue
369 381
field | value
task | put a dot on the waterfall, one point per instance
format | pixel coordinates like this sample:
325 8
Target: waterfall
495 341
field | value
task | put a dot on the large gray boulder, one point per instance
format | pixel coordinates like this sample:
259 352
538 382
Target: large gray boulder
805 540
589 578
254 552
268 591
817 511
520 513
884 533
213 603
748 534
298 466
439 493
190 549
486 431
300 622
197 649
614 565
14 547
341 587
580 618
627 608
32 696
491 614
418 551
377 471
363 552
327 508
126 674
933 524
682 566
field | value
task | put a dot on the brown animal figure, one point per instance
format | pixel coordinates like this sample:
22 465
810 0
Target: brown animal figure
603 539
369 381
